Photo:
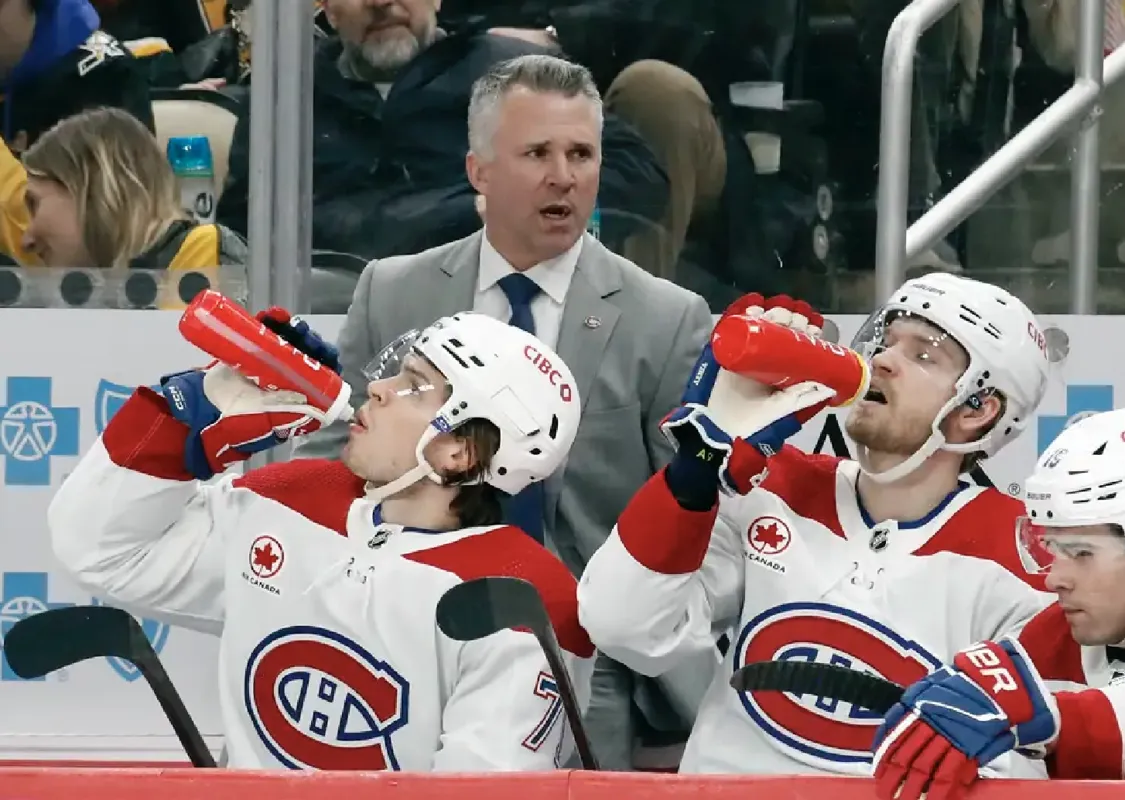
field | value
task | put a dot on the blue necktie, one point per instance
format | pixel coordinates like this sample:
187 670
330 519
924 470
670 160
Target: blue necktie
524 510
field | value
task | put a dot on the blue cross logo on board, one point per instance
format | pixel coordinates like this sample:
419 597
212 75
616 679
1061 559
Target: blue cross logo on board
22 594
1081 401
32 431
109 397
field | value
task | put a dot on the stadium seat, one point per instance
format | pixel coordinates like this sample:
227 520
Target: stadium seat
198 112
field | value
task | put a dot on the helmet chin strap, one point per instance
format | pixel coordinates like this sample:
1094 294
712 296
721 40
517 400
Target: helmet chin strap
918 458
899 471
420 471
904 468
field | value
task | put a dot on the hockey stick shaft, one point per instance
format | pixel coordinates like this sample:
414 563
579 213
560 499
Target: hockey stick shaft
482 607
548 642
173 706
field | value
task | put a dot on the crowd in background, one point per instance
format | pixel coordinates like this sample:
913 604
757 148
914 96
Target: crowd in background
740 146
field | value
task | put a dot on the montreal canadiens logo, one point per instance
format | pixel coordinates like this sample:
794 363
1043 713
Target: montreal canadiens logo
320 701
816 727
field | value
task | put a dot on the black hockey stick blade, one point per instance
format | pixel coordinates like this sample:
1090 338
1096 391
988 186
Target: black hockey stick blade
821 680
478 608
51 640
43 643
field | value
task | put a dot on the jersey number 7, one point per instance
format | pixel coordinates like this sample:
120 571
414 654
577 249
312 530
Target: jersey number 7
547 688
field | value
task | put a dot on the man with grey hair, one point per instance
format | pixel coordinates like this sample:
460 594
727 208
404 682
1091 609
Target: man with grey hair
565 192
391 93
630 339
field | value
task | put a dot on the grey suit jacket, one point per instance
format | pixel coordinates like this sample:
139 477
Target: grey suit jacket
629 338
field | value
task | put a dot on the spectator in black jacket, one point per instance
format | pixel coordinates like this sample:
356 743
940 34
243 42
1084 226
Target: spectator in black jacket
55 62
391 95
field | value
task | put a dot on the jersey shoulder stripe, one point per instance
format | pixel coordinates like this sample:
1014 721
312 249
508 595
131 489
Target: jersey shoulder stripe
507 551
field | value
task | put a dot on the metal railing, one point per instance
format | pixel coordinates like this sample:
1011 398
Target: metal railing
896 243
279 218
281 133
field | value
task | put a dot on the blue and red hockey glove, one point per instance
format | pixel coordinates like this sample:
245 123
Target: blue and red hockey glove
958 719
230 418
709 457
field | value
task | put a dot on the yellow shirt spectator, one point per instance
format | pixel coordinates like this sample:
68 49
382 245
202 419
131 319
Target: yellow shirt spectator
97 192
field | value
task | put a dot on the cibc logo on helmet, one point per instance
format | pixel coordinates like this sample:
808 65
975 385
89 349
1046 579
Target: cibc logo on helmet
544 365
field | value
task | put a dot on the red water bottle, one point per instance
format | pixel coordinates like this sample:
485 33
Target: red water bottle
780 357
227 332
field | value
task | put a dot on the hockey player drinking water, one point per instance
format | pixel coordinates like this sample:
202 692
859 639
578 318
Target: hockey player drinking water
322 578
889 564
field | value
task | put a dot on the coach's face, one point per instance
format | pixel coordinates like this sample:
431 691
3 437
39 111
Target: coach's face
388 33
540 176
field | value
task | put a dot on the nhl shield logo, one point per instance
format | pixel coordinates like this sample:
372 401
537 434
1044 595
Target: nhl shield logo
157 635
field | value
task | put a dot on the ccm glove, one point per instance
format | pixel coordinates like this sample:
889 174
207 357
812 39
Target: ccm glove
230 418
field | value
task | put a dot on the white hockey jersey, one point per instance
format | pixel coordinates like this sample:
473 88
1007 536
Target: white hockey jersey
793 570
1089 684
330 656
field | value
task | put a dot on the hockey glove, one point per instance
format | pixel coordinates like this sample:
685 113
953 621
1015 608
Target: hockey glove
230 418
780 309
730 453
960 718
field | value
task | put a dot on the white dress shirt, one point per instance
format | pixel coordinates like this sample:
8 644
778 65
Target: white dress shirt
552 276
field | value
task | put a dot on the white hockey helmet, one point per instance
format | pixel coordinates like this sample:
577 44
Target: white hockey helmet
1078 481
1007 351
499 373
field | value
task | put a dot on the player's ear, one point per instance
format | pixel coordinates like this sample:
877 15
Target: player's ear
979 413
466 453
476 169
450 455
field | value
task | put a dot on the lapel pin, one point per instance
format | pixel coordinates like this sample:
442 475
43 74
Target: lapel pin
592 322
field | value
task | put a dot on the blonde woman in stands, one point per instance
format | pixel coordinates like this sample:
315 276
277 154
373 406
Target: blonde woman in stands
101 194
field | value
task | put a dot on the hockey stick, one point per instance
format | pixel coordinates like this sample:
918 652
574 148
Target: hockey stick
478 608
50 640
822 680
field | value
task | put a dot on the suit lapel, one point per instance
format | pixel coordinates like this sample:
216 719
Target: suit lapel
458 271
588 317
587 323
